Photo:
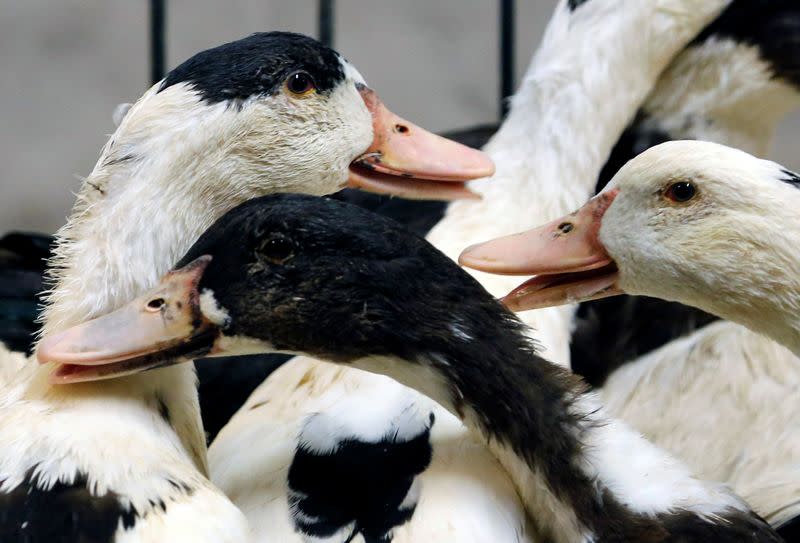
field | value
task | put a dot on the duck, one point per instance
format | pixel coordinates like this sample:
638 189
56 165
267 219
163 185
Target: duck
733 85
299 274
659 365
272 112
723 376
674 223
547 131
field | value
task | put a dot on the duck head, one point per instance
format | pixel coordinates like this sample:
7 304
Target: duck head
683 221
287 273
280 112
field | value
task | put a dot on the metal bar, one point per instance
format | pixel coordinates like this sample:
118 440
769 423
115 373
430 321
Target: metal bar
506 54
158 39
325 23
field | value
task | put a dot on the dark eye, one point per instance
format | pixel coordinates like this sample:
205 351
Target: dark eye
300 83
277 249
680 192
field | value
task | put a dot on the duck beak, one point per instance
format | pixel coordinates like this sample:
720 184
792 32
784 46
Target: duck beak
154 330
408 161
566 257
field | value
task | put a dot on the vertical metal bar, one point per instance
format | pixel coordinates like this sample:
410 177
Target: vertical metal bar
325 23
506 54
158 38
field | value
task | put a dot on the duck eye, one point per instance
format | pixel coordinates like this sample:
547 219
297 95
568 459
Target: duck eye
277 250
680 192
300 83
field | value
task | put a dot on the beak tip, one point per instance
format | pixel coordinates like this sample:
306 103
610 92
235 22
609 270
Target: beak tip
466 258
488 169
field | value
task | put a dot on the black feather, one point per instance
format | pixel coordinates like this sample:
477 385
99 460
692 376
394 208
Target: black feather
64 513
575 4
360 484
791 178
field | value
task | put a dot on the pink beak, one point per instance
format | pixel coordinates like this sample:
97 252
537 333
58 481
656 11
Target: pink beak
408 161
566 257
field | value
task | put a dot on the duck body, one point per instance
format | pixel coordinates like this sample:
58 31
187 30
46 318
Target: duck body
232 123
343 292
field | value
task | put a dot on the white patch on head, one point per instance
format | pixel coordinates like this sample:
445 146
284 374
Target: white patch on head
212 310
391 414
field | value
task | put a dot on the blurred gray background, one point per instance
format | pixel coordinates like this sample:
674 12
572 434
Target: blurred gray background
67 63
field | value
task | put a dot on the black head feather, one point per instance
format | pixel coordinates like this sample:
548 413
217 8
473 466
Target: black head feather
333 280
257 66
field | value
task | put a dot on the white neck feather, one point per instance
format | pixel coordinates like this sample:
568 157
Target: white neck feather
143 205
137 213
593 69
763 293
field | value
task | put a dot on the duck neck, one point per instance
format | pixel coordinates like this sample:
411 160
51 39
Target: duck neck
568 112
581 475
153 191
138 211
764 295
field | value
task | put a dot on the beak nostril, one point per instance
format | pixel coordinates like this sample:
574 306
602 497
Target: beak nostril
566 227
156 304
401 129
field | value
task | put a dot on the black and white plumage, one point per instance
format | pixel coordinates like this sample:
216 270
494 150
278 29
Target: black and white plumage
340 484
564 96
361 291
722 377
65 511
187 151
582 8
257 66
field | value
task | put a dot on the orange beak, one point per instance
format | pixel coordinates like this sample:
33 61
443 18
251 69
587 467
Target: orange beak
568 261
408 161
